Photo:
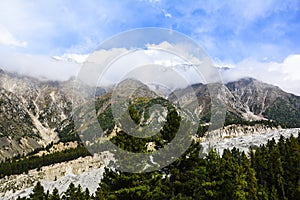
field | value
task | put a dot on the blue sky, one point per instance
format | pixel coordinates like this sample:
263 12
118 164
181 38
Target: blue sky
231 32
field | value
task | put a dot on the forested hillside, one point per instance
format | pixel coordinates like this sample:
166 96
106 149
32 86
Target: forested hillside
272 171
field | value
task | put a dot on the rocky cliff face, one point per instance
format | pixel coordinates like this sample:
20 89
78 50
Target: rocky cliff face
243 141
30 112
234 130
85 171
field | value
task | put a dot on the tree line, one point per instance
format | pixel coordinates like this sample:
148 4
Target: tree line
18 165
270 172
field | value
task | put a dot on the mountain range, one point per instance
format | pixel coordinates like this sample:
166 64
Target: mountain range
35 113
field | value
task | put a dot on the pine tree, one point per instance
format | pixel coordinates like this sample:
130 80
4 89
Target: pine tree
297 192
273 194
38 192
55 195
87 194
70 194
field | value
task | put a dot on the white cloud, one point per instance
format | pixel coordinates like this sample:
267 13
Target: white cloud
285 74
6 38
78 58
167 14
165 64
38 65
154 1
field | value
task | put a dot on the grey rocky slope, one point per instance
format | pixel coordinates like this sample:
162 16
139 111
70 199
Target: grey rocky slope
34 112
247 99
265 100
30 113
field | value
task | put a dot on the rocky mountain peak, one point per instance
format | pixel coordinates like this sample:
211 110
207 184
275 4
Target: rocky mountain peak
133 88
250 83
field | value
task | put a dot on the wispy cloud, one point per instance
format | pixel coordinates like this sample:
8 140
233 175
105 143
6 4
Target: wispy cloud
6 38
39 66
78 58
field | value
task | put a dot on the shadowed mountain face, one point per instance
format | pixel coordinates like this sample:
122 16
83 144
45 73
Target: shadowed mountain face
34 113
